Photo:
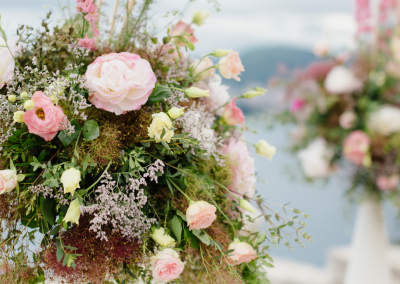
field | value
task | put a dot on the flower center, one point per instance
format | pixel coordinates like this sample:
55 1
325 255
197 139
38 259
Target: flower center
40 113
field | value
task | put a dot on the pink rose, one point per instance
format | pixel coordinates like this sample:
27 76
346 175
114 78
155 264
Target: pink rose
88 43
185 30
296 105
45 118
243 252
8 181
121 82
387 183
355 147
166 265
200 215
233 115
230 66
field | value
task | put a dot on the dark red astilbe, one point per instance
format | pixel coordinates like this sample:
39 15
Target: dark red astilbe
98 257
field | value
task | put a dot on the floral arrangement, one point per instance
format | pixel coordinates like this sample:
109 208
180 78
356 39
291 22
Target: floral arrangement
124 160
346 108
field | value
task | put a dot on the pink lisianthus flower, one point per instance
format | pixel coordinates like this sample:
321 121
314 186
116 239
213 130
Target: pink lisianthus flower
297 104
88 43
241 163
166 265
243 252
387 183
121 82
45 119
356 147
200 215
233 115
231 66
185 30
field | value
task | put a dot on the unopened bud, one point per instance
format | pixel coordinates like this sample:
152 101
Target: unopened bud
29 105
194 92
220 52
12 98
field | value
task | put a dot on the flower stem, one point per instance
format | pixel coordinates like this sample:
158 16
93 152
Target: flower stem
184 194
226 217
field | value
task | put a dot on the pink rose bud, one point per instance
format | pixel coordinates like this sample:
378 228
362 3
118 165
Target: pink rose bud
166 265
233 115
231 66
387 183
45 119
121 82
8 181
243 252
185 30
200 215
356 147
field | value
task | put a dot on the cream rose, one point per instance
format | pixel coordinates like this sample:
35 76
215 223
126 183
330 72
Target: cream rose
160 122
166 265
243 252
121 82
8 181
200 215
200 69
7 63
74 212
162 238
70 180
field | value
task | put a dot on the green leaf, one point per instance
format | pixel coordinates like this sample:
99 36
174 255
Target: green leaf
47 206
60 253
55 230
66 139
190 45
205 239
180 214
193 240
90 130
159 93
176 227
20 177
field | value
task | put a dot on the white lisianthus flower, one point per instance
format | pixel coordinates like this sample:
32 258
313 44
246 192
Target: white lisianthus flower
246 205
252 222
201 67
218 94
266 150
175 112
7 63
19 116
342 80
194 92
73 213
160 122
29 105
70 180
315 159
200 16
162 238
385 121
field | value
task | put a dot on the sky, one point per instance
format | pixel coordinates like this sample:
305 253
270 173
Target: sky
239 25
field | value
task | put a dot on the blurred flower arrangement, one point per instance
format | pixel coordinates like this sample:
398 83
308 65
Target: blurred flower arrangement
124 160
346 108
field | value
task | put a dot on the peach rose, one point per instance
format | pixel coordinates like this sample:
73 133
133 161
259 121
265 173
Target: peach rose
185 30
387 183
200 215
233 115
8 181
121 82
231 66
356 146
166 265
45 118
243 252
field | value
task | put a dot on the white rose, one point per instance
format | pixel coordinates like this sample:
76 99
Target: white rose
74 212
341 80
70 180
161 121
202 66
253 222
162 238
7 63
315 159
218 94
385 121
8 181
266 150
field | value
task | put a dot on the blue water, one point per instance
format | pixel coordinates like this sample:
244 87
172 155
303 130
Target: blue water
331 217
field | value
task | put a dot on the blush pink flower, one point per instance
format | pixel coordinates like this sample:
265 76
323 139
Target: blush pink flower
185 30
88 43
8 181
317 70
363 15
121 82
243 252
233 115
89 8
45 119
356 147
297 104
200 215
231 66
387 183
166 265
241 163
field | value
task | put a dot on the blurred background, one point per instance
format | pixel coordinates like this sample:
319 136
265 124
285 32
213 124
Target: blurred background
270 36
